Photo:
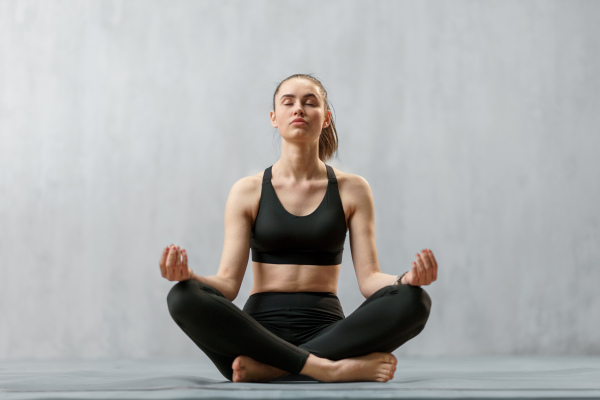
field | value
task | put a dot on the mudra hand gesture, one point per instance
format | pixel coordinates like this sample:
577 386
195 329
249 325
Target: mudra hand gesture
174 264
424 270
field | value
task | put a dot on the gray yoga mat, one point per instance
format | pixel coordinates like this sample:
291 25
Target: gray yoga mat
418 378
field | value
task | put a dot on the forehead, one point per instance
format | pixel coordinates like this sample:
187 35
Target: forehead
298 87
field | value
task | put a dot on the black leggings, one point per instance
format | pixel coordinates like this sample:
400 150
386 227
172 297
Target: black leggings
282 329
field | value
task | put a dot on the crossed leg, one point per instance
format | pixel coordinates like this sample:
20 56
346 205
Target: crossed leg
348 350
385 321
223 331
361 343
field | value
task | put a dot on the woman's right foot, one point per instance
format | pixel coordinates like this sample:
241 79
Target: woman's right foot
246 369
378 367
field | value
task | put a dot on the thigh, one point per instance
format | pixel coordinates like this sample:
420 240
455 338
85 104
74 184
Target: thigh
223 331
385 321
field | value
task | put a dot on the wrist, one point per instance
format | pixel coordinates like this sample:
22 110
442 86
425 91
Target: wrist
401 279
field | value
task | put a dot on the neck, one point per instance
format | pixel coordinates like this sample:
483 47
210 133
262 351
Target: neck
299 163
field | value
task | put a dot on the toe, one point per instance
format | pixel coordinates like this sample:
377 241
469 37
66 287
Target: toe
240 376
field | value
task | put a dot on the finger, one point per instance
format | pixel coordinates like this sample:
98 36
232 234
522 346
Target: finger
182 268
426 270
178 265
434 262
421 267
433 266
415 274
428 266
185 263
163 262
171 262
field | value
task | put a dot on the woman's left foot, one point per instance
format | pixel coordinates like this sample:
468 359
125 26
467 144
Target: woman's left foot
246 369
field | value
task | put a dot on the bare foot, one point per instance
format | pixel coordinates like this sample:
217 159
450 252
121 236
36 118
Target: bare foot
246 369
379 367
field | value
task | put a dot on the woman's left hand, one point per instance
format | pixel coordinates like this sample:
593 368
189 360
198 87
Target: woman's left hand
424 270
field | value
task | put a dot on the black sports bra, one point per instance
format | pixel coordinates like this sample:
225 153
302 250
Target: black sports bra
279 237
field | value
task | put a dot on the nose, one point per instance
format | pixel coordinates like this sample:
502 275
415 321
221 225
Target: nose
299 110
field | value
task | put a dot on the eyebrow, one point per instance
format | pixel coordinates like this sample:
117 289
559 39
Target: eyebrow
293 96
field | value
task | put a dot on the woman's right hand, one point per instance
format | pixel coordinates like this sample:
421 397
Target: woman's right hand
424 270
174 264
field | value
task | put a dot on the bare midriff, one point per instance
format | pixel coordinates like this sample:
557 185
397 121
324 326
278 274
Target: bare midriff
294 278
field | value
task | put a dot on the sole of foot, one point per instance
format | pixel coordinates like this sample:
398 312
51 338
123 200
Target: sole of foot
246 369
378 367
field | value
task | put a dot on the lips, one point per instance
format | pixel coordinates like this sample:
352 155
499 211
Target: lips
298 121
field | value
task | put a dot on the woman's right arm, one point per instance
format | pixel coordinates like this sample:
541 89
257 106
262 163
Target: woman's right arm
236 245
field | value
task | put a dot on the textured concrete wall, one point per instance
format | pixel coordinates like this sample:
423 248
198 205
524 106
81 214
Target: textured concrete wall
123 124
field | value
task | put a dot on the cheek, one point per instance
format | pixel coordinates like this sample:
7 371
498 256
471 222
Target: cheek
280 117
281 112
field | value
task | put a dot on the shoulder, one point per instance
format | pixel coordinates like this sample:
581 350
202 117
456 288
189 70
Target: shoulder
354 189
247 184
245 193
352 182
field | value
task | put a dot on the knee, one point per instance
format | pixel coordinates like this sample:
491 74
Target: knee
178 298
422 305
415 304
192 298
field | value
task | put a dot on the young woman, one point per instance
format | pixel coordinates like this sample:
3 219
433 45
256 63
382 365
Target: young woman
294 217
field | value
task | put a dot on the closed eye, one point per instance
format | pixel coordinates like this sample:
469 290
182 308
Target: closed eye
308 104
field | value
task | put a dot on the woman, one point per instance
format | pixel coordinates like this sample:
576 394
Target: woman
294 217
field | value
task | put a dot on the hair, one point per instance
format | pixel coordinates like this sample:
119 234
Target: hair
328 140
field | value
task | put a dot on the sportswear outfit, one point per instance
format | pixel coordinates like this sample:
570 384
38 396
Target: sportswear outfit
281 329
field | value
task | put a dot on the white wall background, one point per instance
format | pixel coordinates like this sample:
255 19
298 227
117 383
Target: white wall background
123 125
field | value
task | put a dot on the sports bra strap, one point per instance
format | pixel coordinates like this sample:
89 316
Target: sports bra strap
330 175
267 175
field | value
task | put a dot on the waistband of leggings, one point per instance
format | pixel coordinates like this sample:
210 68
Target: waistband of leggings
280 300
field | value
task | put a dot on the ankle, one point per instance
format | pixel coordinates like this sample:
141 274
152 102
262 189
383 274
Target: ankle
319 368
334 371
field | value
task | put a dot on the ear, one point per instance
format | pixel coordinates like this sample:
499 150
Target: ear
327 120
273 120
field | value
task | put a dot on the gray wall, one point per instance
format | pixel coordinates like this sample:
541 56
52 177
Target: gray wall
123 125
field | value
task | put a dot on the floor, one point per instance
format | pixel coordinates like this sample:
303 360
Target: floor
416 378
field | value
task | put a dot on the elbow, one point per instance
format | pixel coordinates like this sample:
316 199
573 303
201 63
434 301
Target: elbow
229 285
230 291
366 293
371 283
231 296
366 289
233 289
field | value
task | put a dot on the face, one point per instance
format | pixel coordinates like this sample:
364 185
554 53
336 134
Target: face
299 110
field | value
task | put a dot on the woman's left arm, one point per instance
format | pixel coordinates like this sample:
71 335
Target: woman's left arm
361 225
